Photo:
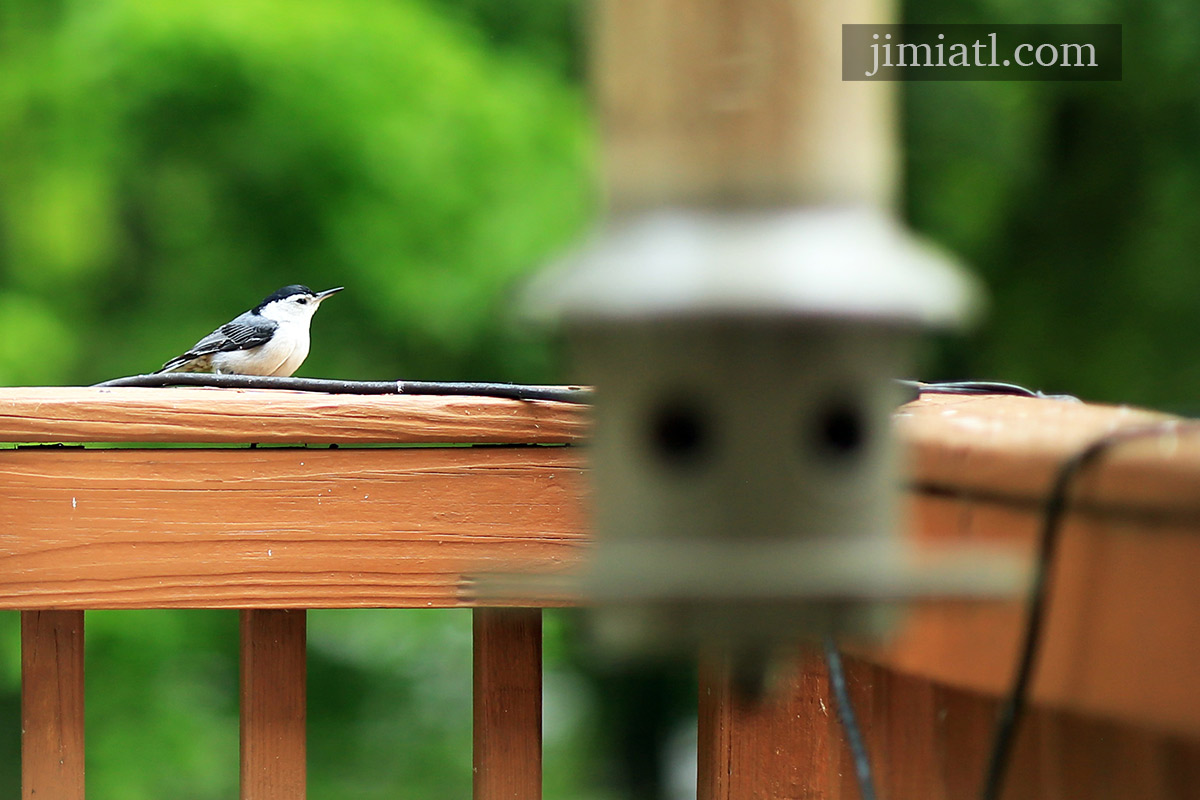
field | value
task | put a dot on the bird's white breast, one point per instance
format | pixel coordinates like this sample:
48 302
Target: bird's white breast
279 357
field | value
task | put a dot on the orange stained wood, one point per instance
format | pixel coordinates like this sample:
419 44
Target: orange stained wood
1122 637
1008 449
189 415
280 528
406 527
925 741
273 704
52 705
507 670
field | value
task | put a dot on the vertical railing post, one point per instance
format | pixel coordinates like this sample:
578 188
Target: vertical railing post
508 704
52 705
789 743
730 144
273 695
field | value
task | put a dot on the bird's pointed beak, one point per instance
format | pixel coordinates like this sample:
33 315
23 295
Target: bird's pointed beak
322 295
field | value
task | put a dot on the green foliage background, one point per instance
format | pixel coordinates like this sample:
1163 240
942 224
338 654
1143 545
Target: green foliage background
164 164
167 164
1076 202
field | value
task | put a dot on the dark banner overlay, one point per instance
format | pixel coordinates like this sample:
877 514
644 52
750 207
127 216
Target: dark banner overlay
981 52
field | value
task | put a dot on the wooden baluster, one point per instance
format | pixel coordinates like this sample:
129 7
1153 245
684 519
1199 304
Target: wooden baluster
786 743
274 677
52 705
508 704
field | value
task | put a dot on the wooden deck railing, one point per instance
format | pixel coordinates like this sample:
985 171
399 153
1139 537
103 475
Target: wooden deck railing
277 530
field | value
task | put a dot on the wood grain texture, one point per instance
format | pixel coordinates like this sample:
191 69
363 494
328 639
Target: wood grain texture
925 742
1122 636
751 749
507 704
88 414
404 527
52 721
273 704
1008 449
280 528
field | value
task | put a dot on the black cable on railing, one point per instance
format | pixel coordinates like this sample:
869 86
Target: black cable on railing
1013 708
849 720
979 387
512 391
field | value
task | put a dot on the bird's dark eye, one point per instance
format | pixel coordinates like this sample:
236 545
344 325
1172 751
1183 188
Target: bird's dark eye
302 301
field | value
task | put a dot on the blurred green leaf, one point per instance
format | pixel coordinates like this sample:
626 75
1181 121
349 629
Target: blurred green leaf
36 344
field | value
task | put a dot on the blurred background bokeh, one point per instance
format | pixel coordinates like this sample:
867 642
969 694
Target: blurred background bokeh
164 164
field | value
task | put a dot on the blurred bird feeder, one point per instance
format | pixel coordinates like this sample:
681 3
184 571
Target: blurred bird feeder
742 316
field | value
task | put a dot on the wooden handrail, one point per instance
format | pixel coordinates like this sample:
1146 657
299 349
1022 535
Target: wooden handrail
295 528
241 416
1122 638
280 527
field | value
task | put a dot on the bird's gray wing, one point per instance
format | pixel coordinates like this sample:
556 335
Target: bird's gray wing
242 333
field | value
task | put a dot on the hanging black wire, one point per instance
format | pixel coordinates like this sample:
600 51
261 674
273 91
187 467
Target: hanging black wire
849 721
1013 708
512 391
837 675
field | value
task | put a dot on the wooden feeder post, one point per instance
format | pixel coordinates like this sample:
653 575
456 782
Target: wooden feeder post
743 314
739 104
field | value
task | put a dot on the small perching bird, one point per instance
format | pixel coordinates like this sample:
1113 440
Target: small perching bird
269 339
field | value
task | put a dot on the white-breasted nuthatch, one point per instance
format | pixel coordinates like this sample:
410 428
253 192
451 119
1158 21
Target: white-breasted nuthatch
269 339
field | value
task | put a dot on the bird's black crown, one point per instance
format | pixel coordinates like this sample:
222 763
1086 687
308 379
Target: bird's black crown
284 293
